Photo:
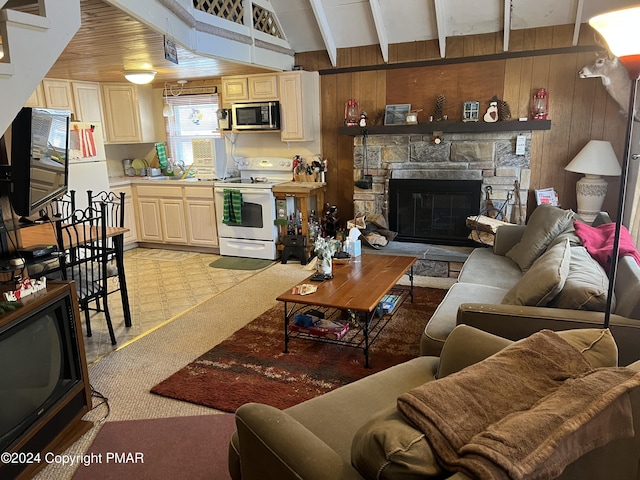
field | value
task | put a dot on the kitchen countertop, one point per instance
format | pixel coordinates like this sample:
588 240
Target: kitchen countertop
124 180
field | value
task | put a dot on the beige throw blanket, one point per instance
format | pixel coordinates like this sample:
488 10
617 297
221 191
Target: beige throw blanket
524 413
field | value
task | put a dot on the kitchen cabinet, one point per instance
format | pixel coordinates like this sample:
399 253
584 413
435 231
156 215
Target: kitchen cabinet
201 216
149 220
130 237
174 228
58 94
128 113
249 88
87 101
37 98
161 217
299 106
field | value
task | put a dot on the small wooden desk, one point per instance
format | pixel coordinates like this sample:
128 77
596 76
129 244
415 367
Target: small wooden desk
357 286
45 234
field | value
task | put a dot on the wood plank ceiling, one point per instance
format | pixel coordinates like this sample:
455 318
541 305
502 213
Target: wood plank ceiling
110 41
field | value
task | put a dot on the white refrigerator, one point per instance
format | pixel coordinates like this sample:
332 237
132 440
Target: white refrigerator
87 161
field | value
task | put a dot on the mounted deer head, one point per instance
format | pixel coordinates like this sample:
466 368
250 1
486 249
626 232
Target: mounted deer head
614 78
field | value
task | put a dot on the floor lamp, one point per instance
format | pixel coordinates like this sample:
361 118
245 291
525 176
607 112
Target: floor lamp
619 28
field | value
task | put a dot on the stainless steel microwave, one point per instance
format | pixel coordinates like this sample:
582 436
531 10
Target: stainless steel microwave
256 116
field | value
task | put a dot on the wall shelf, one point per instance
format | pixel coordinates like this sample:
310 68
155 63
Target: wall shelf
448 127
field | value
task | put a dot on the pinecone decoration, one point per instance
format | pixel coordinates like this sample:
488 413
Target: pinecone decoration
504 111
438 113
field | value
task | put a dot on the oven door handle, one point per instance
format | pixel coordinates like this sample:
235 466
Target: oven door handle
247 191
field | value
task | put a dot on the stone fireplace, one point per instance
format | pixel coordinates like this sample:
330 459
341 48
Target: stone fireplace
486 159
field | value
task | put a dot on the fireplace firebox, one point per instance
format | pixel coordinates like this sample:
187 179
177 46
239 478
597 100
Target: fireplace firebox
433 211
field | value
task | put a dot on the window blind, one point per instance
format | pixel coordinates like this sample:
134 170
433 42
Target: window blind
192 116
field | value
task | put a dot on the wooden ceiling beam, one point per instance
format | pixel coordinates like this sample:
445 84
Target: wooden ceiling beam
506 28
441 25
325 30
576 27
381 30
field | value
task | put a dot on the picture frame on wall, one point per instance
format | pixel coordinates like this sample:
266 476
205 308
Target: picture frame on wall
396 114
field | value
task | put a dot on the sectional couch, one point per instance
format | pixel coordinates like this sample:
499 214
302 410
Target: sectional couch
357 431
539 276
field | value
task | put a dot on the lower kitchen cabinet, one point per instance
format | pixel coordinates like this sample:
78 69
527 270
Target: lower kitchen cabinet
131 237
149 220
174 214
201 216
174 229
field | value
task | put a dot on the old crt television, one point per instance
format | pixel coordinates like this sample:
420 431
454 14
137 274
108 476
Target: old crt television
42 375
39 151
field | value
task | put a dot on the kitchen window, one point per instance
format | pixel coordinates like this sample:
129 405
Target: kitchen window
190 117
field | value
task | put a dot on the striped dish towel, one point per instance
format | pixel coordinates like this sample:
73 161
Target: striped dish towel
232 206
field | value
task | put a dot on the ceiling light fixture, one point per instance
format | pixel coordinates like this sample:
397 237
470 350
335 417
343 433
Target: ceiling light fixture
139 77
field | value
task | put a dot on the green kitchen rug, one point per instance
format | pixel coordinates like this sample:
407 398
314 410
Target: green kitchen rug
239 263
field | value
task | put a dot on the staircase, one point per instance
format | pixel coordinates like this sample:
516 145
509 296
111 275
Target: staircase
31 42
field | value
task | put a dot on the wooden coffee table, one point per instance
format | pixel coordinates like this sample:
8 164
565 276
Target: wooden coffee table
353 295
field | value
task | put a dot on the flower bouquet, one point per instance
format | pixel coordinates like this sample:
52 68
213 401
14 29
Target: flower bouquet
324 248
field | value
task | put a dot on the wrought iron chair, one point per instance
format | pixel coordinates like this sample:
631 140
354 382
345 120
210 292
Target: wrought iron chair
62 207
81 236
114 217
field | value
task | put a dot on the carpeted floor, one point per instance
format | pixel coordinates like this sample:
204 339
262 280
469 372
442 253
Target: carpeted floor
251 362
127 375
157 448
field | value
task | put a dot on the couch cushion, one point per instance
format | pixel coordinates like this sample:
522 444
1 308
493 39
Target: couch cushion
544 280
444 319
597 345
545 224
388 447
586 286
627 288
486 268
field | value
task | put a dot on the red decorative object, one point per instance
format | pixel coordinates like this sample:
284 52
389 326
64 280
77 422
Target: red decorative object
540 105
351 113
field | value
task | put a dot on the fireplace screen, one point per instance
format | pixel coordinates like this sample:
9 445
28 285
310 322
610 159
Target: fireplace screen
433 211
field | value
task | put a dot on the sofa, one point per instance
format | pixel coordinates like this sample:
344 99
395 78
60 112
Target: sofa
539 276
357 431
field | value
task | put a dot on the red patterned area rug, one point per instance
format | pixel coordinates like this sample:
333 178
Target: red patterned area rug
250 365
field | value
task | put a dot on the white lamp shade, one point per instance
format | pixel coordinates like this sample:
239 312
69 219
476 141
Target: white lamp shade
620 29
139 77
596 158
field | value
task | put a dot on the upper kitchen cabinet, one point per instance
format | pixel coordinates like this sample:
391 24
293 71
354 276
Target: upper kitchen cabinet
88 101
249 88
37 98
299 106
128 113
58 94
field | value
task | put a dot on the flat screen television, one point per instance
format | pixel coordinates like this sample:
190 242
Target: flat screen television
39 154
42 375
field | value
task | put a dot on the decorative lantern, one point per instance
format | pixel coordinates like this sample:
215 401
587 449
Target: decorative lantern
351 113
540 105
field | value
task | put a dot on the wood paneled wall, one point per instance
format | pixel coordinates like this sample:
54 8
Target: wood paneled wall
580 109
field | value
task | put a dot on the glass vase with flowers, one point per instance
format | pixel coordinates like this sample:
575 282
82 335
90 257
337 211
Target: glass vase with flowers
324 248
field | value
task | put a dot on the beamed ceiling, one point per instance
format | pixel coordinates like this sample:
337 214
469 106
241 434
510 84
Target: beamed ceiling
110 40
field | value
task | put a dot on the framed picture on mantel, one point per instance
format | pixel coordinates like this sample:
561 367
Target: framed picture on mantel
396 114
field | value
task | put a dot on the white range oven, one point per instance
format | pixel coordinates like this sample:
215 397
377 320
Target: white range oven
254 234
